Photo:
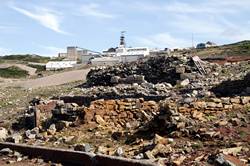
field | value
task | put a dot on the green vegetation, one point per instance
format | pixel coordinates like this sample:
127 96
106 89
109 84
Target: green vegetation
239 49
13 72
236 49
26 58
39 68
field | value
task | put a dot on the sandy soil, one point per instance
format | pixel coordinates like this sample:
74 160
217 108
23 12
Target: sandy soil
52 80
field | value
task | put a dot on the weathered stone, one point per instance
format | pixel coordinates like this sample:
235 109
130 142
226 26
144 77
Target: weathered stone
31 134
228 106
216 100
184 82
211 105
235 121
52 129
199 104
83 147
222 123
100 120
160 140
179 160
102 150
15 138
180 69
245 100
235 100
3 133
119 151
62 124
233 151
225 100
6 151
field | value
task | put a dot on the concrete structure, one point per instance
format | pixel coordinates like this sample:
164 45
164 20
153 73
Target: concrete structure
121 54
72 53
57 65
87 55
75 53
106 61
211 44
206 45
157 52
110 52
62 55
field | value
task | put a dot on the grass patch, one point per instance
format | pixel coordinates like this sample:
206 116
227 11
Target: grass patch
38 68
13 72
235 49
211 117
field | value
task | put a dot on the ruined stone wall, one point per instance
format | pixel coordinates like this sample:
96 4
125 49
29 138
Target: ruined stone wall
132 113
215 104
127 113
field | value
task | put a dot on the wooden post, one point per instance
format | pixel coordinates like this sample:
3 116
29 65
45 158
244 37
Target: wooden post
37 117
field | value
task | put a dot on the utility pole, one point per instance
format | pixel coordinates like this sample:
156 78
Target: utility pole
192 40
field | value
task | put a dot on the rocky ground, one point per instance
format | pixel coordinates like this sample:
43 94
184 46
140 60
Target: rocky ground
162 109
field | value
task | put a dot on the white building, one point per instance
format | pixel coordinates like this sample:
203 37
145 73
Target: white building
106 60
121 54
56 65
206 45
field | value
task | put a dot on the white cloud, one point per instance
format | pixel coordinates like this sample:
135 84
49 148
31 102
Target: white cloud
196 24
163 40
94 10
203 7
47 18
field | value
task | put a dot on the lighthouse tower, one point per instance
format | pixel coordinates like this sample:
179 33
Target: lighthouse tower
122 40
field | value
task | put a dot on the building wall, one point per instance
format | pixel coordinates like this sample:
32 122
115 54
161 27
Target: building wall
131 58
72 53
85 59
62 55
55 65
106 61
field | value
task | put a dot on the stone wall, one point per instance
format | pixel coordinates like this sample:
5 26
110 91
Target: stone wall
215 104
129 113
132 113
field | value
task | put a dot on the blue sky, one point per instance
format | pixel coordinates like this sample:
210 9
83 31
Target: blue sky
46 27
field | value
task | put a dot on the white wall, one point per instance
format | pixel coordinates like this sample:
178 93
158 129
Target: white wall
55 65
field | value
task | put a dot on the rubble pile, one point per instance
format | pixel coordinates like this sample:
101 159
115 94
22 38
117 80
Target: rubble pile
147 91
233 87
213 104
154 70
66 112
161 108
161 77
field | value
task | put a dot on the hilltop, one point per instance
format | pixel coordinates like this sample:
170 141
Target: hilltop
25 58
236 49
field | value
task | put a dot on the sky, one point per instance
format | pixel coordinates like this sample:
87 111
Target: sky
46 27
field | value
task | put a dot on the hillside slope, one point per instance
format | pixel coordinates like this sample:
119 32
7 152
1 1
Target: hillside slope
239 49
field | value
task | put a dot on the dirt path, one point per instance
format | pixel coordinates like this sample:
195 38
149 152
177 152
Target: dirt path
56 79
